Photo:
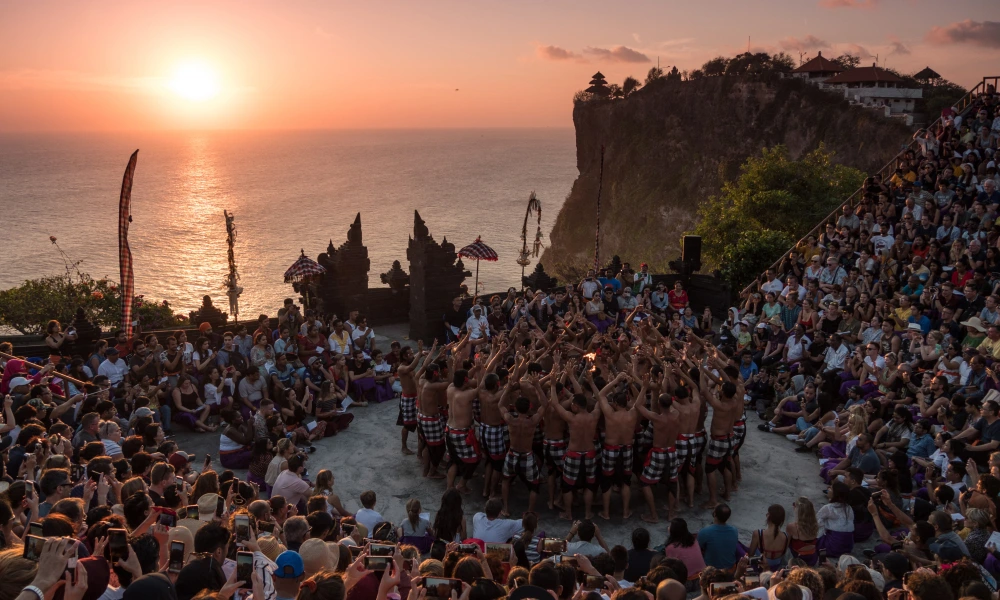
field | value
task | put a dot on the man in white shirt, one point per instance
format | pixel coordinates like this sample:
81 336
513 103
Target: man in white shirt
489 527
477 325
772 284
590 285
113 367
793 286
587 531
836 353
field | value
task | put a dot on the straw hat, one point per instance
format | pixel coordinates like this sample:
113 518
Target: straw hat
270 546
975 323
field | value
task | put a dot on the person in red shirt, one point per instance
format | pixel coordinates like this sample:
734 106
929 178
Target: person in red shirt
678 298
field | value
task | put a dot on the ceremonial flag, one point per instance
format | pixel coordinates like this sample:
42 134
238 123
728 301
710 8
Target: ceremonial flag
124 252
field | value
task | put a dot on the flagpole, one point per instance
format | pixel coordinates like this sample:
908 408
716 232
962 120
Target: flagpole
124 252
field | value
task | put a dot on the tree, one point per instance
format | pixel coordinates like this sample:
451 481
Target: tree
773 193
616 91
696 74
752 254
715 67
630 85
28 307
848 61
654 74
674 74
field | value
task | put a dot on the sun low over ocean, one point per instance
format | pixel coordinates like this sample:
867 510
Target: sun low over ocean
288 191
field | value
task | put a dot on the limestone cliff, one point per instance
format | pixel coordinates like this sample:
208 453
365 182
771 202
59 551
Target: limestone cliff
672 144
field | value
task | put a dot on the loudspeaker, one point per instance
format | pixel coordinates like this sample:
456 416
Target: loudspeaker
691 251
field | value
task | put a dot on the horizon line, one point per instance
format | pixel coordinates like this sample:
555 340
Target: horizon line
271 130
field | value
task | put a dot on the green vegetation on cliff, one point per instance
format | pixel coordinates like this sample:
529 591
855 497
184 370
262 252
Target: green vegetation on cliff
774 201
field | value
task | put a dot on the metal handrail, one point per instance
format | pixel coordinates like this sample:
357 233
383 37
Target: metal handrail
962 104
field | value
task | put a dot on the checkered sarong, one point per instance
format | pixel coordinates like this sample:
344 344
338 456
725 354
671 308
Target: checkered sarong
579 468
521 463
688 455
431 429
554 451
407 410
462 444
657 461
615 458
740 432
719 447
495 440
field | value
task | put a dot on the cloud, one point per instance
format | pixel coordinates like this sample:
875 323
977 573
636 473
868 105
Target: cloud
977 33
848 3
32 79
856 50
896 46
556 53
806 44
617 54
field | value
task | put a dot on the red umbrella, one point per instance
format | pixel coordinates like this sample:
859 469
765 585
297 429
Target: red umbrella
479 251
303 269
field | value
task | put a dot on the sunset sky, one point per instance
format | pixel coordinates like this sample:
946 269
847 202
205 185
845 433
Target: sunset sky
116 65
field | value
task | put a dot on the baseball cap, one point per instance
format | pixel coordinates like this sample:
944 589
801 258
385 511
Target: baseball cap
205 326
18 382
142 411
179 460
312 360
207 504
289 564
111 350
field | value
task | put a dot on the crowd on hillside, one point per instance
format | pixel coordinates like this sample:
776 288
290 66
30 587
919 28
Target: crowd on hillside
871 344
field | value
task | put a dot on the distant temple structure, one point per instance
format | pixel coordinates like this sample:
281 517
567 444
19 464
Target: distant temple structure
818 69
873 87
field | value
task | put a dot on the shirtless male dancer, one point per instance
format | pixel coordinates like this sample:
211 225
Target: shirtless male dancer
620 418
688 403
580 460
408 374
554 440
430 421
726 409
493 433
520 460
662 457
462 444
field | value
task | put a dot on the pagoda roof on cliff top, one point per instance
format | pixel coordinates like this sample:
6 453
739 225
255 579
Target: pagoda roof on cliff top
870 74
927 73
818 64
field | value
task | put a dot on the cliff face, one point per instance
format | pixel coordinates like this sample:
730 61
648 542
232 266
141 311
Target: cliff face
671 145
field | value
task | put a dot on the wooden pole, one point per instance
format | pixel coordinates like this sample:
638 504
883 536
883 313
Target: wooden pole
56 374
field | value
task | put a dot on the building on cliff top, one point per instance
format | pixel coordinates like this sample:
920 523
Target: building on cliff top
817 69
877 89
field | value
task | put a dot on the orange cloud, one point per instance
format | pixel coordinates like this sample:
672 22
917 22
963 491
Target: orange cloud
617 54
810 42
556 53
977 33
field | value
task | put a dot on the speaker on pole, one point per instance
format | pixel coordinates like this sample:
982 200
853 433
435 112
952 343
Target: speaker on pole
691 252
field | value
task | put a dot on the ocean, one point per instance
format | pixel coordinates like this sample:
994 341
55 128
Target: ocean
289 191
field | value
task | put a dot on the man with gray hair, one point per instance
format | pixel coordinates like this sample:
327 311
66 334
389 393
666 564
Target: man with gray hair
296 532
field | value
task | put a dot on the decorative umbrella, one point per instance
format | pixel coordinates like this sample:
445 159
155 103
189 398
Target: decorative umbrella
479 251
303 270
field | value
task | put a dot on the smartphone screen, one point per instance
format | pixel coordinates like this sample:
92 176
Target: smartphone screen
167 519
95 477
381 549
441 587
244 568
502 549
192 511
377 563
553 545
468 548
35 528
118 544
33 547
593 582
77 472
220 507
723 589
242 528
176 557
